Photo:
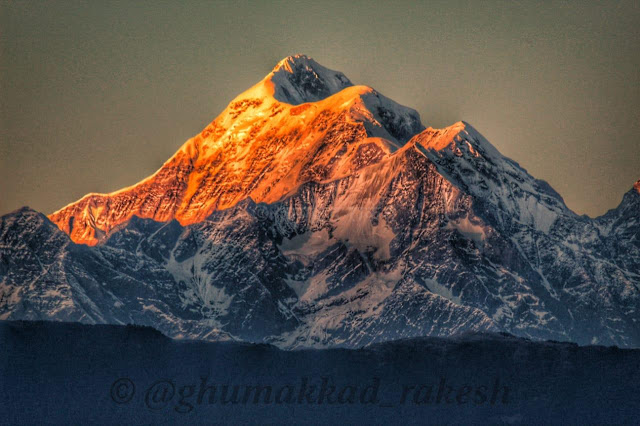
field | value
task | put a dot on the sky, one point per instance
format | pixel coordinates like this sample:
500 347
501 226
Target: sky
95 96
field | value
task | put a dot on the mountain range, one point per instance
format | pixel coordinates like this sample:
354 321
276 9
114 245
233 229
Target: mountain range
317 213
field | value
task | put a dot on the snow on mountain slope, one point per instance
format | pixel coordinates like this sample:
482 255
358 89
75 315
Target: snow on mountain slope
299 79
258 147
468 160
291 272
571 257
312 212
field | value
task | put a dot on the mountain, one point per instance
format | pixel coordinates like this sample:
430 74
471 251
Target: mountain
104 374
312 212
301 123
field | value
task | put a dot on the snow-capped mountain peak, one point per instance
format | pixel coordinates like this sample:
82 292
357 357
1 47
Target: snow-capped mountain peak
312 212
471 162
299 79
301 123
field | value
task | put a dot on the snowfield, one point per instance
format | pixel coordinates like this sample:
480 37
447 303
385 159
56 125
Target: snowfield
317 213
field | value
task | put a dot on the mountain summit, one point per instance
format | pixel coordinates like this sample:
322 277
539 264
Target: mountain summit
301 123
299 79
315 212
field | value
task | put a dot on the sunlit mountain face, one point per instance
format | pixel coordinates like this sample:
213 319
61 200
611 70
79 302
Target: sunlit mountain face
301 123
313 212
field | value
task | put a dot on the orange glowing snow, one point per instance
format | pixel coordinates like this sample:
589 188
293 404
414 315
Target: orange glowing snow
258 147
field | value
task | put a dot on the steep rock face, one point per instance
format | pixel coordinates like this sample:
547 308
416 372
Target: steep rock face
623 221
128 280
299 79
618 235
263 145
312 212
568 258
392 251
469 161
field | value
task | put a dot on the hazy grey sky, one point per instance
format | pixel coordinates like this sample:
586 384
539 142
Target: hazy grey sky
97 95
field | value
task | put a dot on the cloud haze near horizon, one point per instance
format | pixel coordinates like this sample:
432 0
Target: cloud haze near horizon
96 96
